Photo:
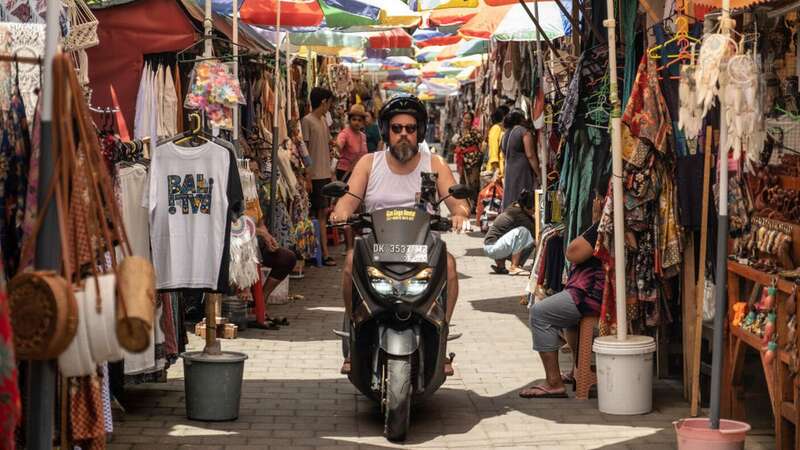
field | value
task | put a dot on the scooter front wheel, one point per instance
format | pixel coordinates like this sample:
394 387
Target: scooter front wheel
397 396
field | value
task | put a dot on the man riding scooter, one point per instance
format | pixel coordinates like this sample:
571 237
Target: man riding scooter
400 284
391 178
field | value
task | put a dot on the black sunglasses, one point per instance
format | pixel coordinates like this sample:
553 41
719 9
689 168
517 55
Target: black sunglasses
398 128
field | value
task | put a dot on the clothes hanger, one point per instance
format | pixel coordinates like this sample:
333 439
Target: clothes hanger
187 56
683 40
189 135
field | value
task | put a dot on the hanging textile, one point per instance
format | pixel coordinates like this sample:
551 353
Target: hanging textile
15 151
10 405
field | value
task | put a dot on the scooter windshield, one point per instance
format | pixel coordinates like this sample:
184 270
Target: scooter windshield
401 235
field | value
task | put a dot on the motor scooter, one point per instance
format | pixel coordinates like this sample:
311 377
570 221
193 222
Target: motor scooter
397 334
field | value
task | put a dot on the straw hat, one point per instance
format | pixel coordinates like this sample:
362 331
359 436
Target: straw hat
357 110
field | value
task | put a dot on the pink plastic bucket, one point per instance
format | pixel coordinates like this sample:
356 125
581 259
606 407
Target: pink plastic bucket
696 434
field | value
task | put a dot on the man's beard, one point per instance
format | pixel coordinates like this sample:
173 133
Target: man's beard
403 150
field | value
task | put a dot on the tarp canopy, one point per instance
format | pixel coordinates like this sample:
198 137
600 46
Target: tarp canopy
127 33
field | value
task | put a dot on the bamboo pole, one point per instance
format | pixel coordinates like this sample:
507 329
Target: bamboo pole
700 289
616 175
275 172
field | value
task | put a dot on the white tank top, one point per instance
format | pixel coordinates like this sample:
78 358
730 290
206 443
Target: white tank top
386 189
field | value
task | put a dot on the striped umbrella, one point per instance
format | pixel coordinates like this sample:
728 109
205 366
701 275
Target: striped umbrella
511 23
358 13
428 5
294 13
464 48
440 36
394 38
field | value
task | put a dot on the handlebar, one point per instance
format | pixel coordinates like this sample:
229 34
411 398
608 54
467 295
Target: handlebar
363 220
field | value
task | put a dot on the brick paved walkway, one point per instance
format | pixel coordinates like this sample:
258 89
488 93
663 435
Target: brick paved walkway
294 398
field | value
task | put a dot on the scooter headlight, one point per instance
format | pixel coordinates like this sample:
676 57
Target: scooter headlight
418 283
382 284
411 287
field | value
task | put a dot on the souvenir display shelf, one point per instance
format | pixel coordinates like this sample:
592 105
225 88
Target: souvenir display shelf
782 384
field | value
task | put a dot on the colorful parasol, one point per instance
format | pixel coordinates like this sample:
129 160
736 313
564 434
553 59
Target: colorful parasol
394 38
428 5
454 16
357 13
464 48
440 36
511 23
294 13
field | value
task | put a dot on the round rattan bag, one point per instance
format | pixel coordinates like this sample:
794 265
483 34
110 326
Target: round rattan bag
44 314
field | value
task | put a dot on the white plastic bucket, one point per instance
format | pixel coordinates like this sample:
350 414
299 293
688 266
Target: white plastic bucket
624 374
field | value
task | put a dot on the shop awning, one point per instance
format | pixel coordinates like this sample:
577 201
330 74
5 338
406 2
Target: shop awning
127 33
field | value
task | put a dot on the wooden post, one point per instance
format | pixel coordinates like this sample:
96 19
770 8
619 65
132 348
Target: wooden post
700 290
688 314
212 344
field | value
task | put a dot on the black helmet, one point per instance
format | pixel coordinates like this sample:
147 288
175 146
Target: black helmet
403 104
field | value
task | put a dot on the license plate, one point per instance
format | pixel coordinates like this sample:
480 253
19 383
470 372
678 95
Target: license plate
401 253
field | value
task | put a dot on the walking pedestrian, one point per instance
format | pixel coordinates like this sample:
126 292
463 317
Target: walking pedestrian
352 142
317 136
469 157
496 161
374 142
519 150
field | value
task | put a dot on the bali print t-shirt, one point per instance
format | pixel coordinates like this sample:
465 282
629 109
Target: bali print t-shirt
189 212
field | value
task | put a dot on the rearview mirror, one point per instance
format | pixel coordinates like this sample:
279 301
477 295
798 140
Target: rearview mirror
459 191
335 189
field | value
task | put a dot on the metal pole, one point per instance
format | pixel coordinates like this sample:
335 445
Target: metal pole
722 248
616 170
235 6
540 141
42 376
273 184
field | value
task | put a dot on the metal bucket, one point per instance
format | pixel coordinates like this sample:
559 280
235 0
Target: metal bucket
235 310
213 385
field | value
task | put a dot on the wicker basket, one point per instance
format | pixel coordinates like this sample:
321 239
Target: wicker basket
82 27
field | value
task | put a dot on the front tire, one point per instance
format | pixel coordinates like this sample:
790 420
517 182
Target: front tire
397 397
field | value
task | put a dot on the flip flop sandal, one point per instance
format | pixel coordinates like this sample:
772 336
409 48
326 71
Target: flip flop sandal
518 272
499 270
297 275
269 325
329 261
278 321
567 377
545 393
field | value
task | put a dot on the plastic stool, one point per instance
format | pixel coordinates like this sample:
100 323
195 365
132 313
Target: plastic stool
318 249
585 377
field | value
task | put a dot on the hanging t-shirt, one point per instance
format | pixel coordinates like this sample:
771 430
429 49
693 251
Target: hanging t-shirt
189 207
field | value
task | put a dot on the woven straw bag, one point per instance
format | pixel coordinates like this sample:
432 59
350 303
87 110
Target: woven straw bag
82 27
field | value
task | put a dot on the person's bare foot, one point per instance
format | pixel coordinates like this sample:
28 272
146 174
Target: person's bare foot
345 370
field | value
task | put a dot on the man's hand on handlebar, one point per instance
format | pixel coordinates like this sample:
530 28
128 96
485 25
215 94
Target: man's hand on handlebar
461 224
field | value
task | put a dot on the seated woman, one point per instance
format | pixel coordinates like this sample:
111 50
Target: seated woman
582 296
281 261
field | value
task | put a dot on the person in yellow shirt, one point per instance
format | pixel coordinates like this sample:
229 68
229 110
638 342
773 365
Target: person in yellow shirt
496 161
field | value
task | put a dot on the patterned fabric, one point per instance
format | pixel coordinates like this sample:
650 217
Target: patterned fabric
15 146
468 150
10 405
571 101
86 412
305 239
646 114
31 201
27 40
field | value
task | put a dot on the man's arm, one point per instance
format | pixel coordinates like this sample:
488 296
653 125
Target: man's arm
347 205
530 153
459 209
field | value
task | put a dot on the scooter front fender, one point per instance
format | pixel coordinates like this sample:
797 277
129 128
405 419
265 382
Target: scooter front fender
399 342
